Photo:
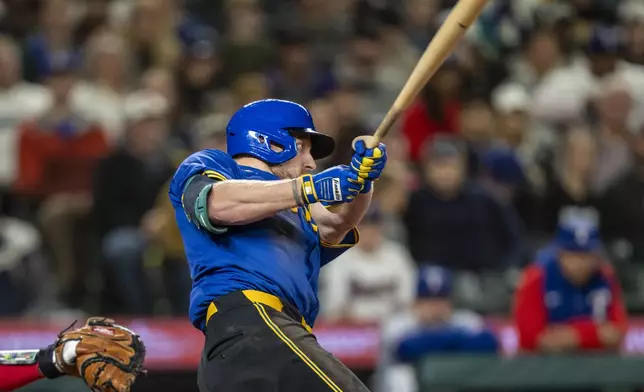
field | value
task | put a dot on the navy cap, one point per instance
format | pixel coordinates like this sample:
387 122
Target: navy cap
577 233
605 39
434 282
503 166
61 62
443 147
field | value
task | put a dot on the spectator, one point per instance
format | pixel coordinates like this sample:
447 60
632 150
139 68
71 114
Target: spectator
297 77
125 189
249 88
569 184
569 300
197 76
478 127
53 146
53 40
57 154
436 112
541 56
420 21
19 241
19 101
531 142
613 104
245 47
370 283
448 211
430 326
347 104
101 96
503 174
622 210
152 36
95 18
563 95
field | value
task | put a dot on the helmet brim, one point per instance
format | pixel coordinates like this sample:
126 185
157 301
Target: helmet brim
322 145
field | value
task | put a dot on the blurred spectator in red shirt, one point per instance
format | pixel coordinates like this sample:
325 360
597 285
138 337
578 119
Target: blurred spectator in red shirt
58 149
19 101
437 111
569 298
57 154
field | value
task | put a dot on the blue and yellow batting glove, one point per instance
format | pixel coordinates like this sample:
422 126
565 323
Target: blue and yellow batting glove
335 185
368 163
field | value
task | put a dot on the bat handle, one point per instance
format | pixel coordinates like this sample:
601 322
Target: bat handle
369 140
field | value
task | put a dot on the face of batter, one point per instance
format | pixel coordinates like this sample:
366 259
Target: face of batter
302 163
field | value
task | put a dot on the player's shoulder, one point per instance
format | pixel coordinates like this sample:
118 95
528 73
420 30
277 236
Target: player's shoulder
209 158
214 163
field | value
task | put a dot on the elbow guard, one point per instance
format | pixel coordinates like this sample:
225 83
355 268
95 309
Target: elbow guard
195 203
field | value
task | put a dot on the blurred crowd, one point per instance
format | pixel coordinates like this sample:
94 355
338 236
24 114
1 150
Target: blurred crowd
538 113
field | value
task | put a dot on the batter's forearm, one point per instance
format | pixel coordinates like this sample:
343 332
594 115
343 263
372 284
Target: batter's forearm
337 221
350 214
239 202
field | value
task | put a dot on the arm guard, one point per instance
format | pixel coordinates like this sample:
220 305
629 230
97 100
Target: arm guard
195 203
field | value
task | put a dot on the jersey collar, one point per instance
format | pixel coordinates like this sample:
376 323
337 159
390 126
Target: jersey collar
253 173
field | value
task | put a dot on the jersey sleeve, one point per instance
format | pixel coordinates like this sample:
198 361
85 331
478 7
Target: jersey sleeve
193 180
330 252
530 314
213 164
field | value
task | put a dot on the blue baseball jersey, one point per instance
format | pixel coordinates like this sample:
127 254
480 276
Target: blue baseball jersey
281 255
567 302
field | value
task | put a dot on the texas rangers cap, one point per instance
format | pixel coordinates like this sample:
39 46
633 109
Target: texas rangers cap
578 233
434 282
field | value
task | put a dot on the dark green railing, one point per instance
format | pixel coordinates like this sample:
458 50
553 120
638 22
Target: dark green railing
535 373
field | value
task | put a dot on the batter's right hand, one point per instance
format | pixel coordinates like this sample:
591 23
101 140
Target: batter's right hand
338 184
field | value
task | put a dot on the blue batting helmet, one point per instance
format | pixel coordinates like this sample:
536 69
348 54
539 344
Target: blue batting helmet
267 129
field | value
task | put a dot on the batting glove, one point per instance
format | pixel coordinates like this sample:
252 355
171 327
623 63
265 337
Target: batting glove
368 163
338 184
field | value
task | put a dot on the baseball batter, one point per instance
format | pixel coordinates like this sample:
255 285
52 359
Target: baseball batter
257 230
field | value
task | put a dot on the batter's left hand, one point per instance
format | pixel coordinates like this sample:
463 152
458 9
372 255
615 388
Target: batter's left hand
368 163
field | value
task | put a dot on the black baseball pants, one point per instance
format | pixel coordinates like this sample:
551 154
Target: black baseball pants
257 343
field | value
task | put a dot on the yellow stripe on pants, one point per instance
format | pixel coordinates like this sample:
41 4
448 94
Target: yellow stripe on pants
282 336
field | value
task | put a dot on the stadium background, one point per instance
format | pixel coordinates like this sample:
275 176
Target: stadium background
85 227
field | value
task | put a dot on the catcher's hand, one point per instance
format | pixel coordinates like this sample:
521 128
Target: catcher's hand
107 356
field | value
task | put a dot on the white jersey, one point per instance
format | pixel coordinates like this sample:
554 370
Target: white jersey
368 286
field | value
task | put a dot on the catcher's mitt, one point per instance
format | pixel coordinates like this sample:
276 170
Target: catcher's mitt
109 356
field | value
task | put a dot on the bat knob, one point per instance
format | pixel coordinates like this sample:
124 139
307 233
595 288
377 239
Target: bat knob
369 141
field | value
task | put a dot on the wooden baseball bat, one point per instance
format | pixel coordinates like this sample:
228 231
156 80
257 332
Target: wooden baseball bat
447 37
